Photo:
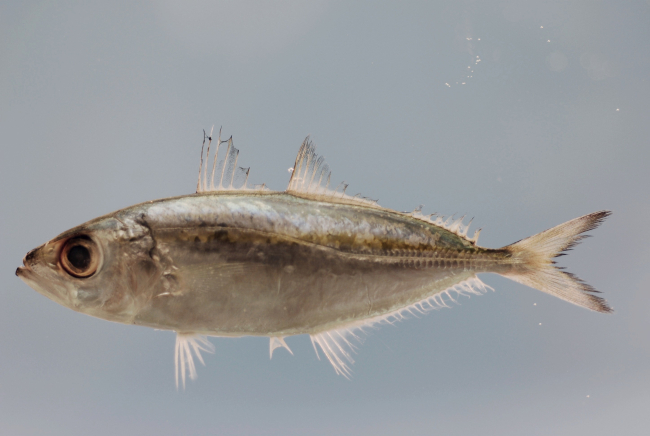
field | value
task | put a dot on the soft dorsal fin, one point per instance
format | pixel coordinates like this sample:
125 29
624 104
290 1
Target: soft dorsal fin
311 176
448 223
223 174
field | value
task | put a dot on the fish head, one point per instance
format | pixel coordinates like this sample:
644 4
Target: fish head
102 268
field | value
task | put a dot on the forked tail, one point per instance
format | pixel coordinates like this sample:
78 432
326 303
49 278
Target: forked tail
533 263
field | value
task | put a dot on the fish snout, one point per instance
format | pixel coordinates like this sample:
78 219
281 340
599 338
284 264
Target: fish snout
20 271
27 275
30 256
31 259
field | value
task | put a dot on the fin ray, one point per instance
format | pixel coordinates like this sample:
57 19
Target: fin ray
229 176
338 348
310 179
311 175
188 345
534 255
277 342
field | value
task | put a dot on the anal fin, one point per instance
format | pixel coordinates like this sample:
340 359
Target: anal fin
277 342
338 343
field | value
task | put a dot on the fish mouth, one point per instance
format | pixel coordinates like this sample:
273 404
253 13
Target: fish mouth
26 274
21 271
32 279
30 258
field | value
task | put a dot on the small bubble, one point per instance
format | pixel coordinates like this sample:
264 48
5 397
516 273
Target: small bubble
587 396
548 40
617 109
290 170
541 27
479 39
540 323
534 304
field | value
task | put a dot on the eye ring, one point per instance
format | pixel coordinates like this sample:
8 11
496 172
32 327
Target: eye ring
80 257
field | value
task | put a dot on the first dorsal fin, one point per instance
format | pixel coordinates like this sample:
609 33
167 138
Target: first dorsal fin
311 178
223 174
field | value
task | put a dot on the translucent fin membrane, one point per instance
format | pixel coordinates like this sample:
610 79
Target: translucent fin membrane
311 177
277 342
188 344
533 258
338 344
222 174
455 226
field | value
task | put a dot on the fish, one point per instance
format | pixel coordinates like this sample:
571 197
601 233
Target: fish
234 259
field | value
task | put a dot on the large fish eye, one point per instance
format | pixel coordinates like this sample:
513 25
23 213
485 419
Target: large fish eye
80 257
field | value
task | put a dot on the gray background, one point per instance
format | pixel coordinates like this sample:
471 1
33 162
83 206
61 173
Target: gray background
102 105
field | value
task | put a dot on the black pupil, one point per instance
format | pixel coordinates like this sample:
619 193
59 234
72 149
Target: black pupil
79 257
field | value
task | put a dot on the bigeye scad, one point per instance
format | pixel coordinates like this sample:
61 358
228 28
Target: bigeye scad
238 260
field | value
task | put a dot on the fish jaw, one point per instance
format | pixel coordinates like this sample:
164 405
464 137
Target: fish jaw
40 271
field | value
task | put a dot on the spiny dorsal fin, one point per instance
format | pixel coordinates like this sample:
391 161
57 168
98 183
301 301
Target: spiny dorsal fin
311 176
225 174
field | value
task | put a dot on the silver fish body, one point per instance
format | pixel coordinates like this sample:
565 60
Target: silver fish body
306 261
270 264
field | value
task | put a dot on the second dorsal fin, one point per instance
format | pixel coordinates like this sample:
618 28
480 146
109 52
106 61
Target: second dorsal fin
311 177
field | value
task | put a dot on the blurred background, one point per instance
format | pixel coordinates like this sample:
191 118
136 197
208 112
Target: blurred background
523 114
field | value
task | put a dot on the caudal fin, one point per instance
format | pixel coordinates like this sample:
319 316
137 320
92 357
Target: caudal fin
534 265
